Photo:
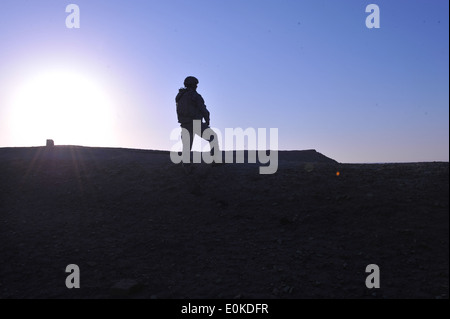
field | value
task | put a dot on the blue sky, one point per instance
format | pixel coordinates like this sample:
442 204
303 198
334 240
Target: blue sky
311 68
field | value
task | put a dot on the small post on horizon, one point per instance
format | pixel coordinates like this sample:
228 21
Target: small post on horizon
50 143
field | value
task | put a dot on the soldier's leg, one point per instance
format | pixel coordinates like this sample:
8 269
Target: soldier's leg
209 135
187 137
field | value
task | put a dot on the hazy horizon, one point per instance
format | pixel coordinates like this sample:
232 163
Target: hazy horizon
162 150
311 69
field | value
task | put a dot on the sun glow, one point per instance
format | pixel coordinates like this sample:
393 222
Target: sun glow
64 106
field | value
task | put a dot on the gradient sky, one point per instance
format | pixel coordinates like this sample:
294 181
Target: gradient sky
309 68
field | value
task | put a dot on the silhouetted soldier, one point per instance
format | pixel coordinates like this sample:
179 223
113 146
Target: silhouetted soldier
191 110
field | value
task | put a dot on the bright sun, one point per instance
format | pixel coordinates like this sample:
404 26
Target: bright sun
64 106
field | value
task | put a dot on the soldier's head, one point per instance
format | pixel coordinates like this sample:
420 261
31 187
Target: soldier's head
191 82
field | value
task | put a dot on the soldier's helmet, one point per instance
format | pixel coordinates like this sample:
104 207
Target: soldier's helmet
190 81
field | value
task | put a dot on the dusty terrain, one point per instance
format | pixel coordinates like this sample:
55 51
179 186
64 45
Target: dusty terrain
219 232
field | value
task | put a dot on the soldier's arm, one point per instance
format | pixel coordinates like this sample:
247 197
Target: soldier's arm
202 107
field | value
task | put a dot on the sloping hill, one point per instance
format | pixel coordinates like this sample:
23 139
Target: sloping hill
219 232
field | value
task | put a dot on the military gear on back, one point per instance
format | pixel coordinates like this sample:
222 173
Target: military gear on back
190 106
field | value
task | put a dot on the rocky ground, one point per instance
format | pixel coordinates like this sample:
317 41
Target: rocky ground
139 226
